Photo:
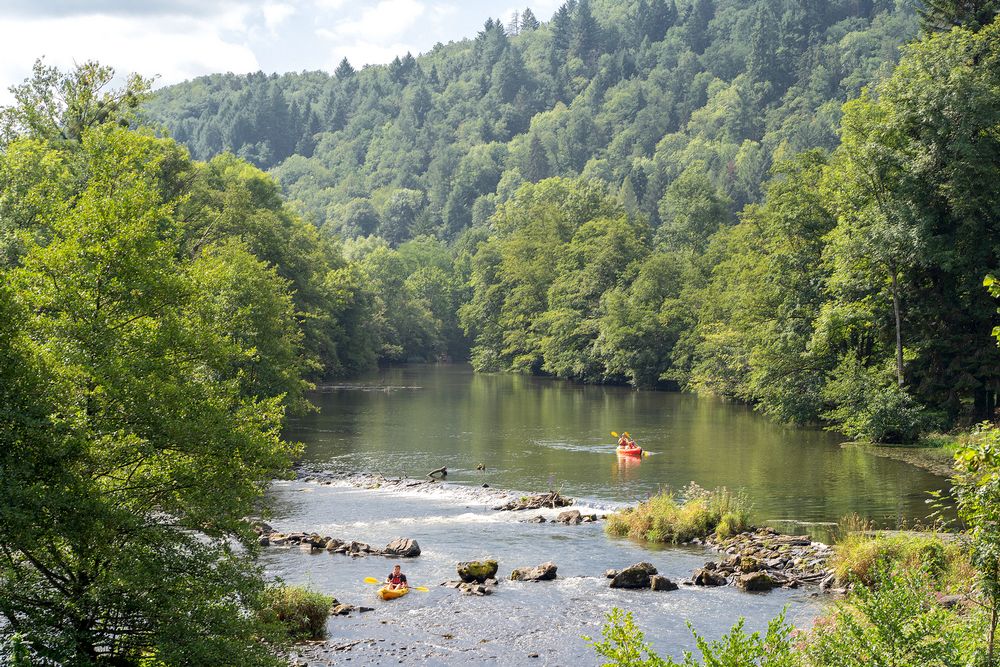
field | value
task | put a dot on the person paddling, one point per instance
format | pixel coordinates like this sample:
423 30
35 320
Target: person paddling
625 442
396 579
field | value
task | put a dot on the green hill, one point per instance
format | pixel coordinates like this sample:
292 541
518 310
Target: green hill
633 93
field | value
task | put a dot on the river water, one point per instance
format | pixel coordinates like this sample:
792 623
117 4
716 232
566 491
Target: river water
534 434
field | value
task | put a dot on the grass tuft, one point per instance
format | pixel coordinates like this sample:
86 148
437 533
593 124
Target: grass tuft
672 518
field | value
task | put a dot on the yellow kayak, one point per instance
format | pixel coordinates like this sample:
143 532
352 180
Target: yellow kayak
392 593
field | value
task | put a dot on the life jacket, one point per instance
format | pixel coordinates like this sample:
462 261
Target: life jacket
396 579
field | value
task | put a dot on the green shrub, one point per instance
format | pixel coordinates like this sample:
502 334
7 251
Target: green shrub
897 621
624 645
666 518
301 612
860 555
872 407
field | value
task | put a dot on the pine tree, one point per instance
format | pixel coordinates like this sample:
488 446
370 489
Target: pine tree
696 19
344 70
943 15
514 27
761 61
536 166
586 40
528 20
662 15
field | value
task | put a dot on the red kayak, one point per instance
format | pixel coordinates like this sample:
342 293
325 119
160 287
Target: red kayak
629 451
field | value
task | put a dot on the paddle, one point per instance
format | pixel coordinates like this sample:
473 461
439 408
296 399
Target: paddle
373 580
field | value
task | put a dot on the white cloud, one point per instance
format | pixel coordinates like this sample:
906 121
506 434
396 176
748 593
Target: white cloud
173 49
387 19
276 13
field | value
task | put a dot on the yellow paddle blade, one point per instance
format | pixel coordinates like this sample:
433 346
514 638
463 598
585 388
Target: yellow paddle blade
422 589
372 580
645 453
614 435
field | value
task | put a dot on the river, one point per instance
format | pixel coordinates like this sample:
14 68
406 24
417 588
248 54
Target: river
536 434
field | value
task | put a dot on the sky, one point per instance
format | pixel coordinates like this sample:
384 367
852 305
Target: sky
175 40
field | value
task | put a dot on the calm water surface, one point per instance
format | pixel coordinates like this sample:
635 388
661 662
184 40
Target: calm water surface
533 434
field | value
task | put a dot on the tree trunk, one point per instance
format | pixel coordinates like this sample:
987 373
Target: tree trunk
899 330
993 630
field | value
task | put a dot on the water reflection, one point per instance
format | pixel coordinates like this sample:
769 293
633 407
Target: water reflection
533 433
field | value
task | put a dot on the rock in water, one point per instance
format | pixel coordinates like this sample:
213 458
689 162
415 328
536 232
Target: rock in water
703 577
660 583
405 548
478 570
544 572
755 582
634 576
570 517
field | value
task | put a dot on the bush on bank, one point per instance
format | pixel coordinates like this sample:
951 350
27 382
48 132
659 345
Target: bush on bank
859 557
673 518
301 612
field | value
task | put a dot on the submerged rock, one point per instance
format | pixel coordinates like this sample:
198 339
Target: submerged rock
543 572
478 570
634 576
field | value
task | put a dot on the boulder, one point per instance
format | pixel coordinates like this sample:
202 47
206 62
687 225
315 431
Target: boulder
543 572
703 577
610 574
535 519
660 583
264 541
634 576
572 517
478 570
405 548
341 610
755 582
333 545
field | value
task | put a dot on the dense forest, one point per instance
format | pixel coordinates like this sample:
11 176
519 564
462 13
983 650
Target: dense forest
794 204
736 197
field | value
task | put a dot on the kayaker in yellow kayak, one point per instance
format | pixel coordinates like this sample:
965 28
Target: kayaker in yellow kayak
396 580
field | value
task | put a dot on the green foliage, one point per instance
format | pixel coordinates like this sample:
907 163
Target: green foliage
675 518
977 495
302 613
861 556
624 646
148 352
898 621
870 406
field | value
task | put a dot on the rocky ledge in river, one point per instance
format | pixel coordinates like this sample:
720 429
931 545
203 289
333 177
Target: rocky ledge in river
550 500
766 559
398 548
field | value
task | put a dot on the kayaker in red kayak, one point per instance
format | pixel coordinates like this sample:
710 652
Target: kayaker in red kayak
625 442
396 579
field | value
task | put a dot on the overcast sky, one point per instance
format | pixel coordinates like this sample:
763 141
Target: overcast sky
179 39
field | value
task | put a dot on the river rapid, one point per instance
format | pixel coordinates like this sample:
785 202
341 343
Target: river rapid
533 435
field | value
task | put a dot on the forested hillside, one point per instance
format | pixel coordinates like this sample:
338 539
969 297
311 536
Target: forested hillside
635 93
789 203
